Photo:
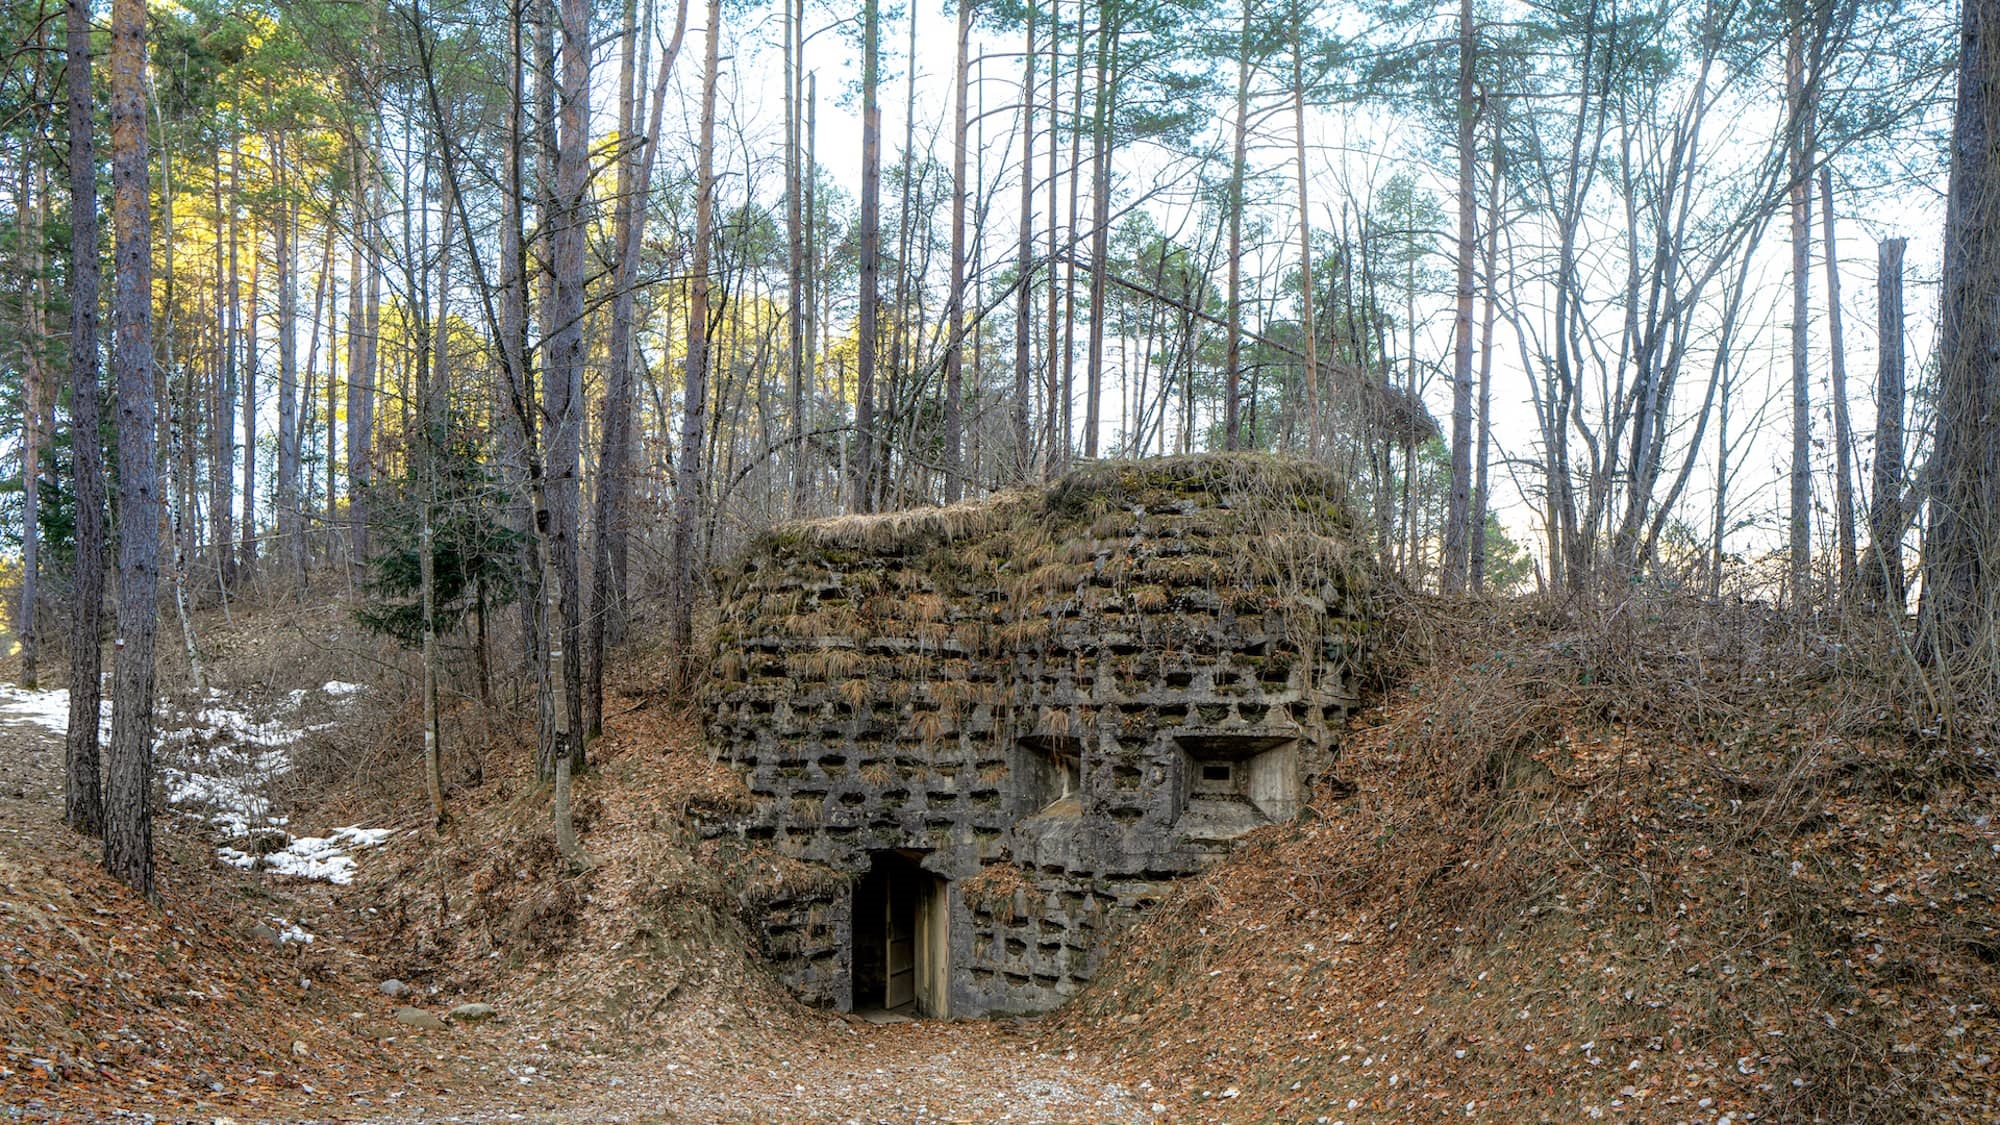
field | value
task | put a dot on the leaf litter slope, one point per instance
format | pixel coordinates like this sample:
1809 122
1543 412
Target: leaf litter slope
106 1003
1694 865
629 992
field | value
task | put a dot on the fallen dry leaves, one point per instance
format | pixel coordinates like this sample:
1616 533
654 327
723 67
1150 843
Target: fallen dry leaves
1547 888
1568 871
629 992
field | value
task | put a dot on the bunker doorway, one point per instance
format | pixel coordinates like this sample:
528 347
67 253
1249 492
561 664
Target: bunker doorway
901 953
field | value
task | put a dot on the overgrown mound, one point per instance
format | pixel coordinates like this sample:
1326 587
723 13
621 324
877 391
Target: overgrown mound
1122 581
1691 864
1255 526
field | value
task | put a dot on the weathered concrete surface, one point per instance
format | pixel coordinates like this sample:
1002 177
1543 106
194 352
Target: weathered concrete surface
1059 701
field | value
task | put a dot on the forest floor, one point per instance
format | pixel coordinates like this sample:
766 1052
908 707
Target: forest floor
1654 864
1673 861
256 995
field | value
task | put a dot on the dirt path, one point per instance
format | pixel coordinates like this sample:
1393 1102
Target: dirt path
959 1072
110 1011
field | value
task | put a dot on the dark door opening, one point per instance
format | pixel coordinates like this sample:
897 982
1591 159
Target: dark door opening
900 952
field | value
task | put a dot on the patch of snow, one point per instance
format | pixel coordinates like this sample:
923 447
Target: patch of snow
360 837
229 725
219 764
289 931
227 785
326 858
46 709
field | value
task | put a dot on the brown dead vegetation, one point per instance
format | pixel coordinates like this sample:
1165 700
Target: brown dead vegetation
1670 861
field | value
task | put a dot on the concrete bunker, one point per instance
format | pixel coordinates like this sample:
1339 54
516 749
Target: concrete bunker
990 735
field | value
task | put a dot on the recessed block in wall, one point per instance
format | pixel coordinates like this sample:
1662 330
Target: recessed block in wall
1239 781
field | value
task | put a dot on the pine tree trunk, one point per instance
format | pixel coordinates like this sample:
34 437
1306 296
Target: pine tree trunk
287 498
607 584
361 441
175 456
247 564
1068 393
1024 297
871 240
903 321
1961 569
1482 501
518 441
1843 430
613 414
1719 525
331 525
360 376
1458 516
1309 337
322 308
954 309
1232 362
795 300
563 391
1885 518
128 825
31 207
1054 440
814 320
688 473
551 740
1100 225
83 796
222 407
1406 546
433 388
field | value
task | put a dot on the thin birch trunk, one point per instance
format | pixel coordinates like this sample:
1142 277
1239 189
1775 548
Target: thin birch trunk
1843 430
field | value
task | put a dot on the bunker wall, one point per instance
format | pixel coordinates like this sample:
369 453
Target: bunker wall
1086 691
